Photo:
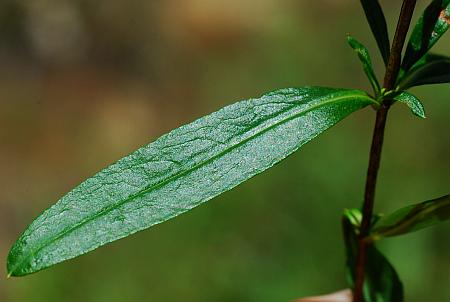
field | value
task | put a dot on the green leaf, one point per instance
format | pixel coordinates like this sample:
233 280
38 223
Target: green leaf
381 281
429 29
431 69
413 218
179 171
377 22
412 102
351 221
364 57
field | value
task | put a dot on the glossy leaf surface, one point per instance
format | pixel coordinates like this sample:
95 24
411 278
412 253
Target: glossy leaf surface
377 22
429 29
364 57
413 218
381 281
412 102
431 69
179 171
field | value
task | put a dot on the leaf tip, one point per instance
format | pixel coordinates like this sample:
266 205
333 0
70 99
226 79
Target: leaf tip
14 273
9 272
419 112
445 16
12 268
351 41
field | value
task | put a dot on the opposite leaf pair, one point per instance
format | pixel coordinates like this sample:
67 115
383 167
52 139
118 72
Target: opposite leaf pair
410 100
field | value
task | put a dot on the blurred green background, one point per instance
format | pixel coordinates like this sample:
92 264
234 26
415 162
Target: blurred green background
85 82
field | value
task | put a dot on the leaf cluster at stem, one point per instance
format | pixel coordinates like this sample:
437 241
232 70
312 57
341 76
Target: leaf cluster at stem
418 66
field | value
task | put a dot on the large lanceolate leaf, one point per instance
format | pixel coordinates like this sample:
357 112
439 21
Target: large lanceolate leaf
179 171
413 218
381 281
377 21
431 69
429 29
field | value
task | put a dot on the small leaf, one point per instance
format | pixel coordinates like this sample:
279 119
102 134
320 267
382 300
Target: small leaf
364 57
179 171
431 69
377 22
412 102
413 218
429 29
381 281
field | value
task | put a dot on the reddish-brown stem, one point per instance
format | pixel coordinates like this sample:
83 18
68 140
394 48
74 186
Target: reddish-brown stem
390 77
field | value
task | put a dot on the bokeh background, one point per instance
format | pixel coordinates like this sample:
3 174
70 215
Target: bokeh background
85 82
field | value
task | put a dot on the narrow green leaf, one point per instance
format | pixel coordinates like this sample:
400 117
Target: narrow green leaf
413 218
412 102
431 69
179 171
381 281
377 22
364 57
429 29
351 221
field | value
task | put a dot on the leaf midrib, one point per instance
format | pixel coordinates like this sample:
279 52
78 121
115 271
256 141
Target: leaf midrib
182 173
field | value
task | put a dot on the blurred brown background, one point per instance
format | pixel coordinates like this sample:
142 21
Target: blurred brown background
85 82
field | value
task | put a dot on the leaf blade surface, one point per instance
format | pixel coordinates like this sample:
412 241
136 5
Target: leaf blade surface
179 171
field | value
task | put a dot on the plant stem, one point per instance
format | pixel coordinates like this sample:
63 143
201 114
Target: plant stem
397 44
390 77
